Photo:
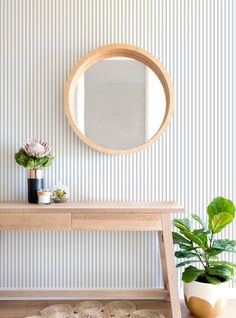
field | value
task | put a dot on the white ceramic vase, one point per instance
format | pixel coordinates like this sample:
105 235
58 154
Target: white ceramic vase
206 300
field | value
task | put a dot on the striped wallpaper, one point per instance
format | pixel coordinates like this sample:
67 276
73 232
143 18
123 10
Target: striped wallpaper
193 161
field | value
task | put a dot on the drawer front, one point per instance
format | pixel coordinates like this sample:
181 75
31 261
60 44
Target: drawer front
121 222
35 221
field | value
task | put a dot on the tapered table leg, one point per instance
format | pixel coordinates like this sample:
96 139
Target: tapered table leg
170 275
163 261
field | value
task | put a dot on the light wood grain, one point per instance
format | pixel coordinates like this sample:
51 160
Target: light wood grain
93 207
102 216
169 262
35 221
21 309
163 259
128 222
87 294
121 50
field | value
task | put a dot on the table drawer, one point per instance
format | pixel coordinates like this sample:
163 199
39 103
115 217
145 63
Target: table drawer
35 221
112 222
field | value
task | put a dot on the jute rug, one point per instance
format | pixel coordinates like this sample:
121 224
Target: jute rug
94 309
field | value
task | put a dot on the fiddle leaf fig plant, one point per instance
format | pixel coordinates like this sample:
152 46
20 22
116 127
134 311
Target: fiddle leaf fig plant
200 247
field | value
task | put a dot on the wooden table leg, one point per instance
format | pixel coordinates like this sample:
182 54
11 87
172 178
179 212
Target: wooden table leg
163 261
169 262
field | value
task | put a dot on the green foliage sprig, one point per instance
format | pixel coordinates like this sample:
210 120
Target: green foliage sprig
199 246
59 194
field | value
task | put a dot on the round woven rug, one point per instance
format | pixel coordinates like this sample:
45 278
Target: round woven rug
119 308
88 307
57 311
94 309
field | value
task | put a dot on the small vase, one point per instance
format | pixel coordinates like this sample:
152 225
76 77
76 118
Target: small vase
35 183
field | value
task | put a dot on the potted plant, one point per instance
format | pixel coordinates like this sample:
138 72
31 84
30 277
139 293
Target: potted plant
34 155
60 193
206 274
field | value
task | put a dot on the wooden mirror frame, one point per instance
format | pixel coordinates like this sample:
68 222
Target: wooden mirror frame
121 50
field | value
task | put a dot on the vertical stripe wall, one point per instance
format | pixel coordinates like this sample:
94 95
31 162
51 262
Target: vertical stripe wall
192 162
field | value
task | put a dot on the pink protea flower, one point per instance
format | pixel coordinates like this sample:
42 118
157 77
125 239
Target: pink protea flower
35 148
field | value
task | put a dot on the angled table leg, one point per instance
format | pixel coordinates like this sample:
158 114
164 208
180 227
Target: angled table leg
169 270
163 261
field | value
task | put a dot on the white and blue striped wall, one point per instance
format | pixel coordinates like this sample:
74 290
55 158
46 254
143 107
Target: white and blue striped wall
191 163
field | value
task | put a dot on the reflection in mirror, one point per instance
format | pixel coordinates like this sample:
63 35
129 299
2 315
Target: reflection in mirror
119 103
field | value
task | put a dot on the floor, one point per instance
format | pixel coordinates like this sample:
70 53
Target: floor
21 309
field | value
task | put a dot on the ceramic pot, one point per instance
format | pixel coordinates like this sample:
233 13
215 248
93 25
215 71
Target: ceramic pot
205 300
35 183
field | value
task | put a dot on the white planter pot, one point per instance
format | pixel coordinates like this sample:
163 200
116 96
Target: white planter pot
206 300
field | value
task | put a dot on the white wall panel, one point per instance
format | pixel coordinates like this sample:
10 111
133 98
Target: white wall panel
193 161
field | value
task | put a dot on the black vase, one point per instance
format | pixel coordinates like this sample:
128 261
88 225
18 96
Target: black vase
35 183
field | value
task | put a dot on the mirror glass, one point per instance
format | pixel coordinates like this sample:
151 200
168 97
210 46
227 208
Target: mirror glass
118 103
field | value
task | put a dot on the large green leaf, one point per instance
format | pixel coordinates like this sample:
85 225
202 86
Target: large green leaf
50 159
229 267
214 258
21 158
224 263
217 206
194 238
44 162
219 246
214 251
225 245
199 220
186 263
202 235
219 221
187 247
191 273
202 231
213 280
41 162
184 254
219 270
182 224
178 239
31 164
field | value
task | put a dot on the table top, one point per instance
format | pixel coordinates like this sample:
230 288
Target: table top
91 207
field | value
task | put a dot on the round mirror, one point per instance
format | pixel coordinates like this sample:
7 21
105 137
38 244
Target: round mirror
118 99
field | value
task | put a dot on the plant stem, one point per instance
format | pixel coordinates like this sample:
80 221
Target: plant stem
211 239
200 259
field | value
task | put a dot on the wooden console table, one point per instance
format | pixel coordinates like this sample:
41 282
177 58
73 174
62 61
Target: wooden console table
101 216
